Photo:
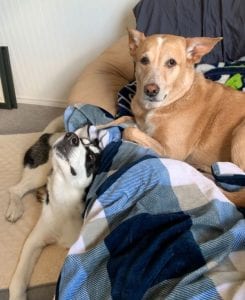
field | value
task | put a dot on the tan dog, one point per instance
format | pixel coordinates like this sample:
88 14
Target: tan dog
184 115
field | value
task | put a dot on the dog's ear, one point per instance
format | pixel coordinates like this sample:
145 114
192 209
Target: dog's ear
199 46
135 38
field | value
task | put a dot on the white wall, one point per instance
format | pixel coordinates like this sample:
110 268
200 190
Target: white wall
50 41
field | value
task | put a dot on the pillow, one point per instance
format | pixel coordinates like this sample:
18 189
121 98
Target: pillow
191 18
125 96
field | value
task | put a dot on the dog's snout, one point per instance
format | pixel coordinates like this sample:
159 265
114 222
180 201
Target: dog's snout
72 138
151 89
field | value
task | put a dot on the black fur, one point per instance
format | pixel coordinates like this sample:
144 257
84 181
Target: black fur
38 153
47 198
92 161
73 172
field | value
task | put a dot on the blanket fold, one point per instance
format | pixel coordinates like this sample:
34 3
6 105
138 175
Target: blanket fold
154 228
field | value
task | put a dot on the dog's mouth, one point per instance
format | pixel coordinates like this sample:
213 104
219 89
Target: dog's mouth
155 99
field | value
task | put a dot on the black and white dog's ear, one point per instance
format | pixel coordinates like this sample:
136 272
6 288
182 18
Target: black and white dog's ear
38 153
92 161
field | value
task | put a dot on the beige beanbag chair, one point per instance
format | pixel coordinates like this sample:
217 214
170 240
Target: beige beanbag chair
101 80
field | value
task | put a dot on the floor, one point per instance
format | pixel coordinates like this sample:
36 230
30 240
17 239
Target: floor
27 118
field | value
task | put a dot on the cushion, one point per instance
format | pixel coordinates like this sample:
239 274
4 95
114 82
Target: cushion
101 80
12 236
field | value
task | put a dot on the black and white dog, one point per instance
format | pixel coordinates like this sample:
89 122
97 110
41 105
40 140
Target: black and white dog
74 162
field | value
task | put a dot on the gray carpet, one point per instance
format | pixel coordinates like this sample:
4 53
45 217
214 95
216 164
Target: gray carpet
27 118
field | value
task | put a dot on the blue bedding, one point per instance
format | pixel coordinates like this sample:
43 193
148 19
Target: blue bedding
154 228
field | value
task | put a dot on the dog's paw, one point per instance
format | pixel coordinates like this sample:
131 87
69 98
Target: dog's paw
17 297
17 288
14 294
41 194
15 209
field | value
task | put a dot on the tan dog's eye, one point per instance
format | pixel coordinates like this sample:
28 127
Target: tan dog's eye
171 63
145 60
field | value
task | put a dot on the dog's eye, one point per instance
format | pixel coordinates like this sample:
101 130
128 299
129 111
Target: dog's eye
171 63
145 60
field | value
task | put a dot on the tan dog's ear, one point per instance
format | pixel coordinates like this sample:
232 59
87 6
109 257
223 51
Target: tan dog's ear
135 38
199 46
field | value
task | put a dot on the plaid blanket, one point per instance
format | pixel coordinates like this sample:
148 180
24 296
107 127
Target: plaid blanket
154 228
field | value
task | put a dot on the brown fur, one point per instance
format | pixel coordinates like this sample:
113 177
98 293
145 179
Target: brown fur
190 118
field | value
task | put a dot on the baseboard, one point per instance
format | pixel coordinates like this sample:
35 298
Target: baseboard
44 102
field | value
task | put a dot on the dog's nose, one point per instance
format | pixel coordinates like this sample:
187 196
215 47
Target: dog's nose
72 138
151 89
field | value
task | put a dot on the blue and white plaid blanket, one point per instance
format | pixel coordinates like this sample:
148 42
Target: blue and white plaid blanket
154 228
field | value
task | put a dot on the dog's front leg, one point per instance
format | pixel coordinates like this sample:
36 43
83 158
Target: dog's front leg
37 240
133 133
32 178
141 138
127 121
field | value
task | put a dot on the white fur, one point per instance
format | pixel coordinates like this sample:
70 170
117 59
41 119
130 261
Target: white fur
31 179
60 220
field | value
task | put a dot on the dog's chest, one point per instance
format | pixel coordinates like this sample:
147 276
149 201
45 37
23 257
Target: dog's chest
70 231
146 123
172 133
63 212
64 222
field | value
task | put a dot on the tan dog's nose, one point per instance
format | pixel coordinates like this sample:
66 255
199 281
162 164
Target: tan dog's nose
151 90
